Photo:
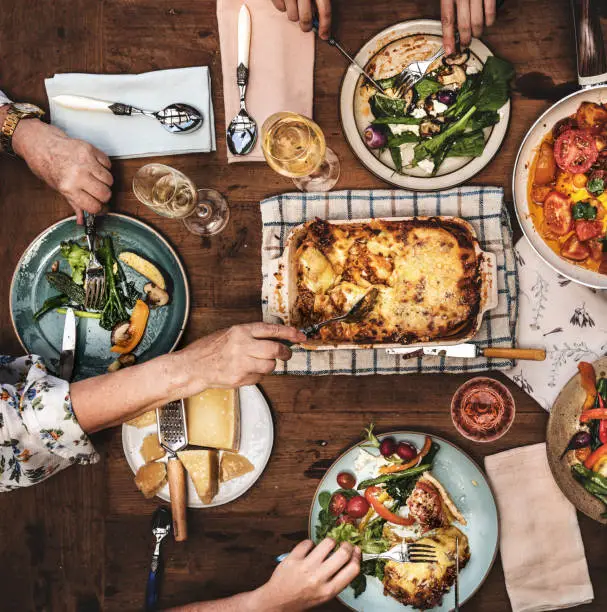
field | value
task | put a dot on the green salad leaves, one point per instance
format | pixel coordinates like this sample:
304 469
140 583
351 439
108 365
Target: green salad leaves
77 257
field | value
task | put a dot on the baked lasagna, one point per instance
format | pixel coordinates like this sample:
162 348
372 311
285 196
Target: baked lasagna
426 271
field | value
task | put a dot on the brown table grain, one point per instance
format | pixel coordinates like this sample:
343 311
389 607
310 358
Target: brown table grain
81 540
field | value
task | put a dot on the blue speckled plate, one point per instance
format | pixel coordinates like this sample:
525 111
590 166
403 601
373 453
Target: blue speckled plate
469 489
29 289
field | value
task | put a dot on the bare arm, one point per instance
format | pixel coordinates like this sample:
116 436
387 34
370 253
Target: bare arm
233 357
243 602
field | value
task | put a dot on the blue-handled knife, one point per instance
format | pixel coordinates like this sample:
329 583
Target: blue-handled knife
68 346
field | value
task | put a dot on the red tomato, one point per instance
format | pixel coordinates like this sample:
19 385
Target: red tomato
344 518
557 213
357 507
575 151
575 250
586 230
545 168
406 451
338 504
562 126
346 480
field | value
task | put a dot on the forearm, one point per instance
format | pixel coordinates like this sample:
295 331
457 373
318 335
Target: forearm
108 400
244 602
24 138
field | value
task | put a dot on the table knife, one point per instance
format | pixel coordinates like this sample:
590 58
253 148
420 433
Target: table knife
470 351
173 437
68 346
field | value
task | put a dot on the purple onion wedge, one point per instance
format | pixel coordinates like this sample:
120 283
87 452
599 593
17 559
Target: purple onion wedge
375 137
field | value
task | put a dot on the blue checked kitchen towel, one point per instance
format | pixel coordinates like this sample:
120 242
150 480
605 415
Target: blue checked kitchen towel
481 206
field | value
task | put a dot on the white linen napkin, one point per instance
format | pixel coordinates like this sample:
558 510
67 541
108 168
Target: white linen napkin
567 318
540 542
136 136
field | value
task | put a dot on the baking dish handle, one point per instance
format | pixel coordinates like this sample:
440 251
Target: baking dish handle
489 276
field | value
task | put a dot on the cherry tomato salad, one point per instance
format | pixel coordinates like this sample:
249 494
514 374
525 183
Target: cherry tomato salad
357 511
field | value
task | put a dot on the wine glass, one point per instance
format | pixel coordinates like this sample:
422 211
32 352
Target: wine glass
295 146
172 194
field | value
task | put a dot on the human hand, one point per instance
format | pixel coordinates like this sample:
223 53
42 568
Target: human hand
310 576
237 356
302 11
472 15
74 168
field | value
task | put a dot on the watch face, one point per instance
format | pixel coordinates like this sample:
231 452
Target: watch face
26 107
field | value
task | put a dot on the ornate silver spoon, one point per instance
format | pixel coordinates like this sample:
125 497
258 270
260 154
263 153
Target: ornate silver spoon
177 118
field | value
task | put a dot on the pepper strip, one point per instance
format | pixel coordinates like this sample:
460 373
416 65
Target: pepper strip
592 414
392 469
594 457
386 514
588 380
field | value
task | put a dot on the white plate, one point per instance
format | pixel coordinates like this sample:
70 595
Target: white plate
256 440
453 171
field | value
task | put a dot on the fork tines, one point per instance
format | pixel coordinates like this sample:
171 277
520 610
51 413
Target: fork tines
421 553
404 82
94 289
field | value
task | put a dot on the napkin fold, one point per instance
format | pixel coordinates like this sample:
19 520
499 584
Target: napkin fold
540 542
281 65
137 136
565 317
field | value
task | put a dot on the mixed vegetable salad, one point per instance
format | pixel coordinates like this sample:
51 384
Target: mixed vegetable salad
587 449
127 329
443 115
358 513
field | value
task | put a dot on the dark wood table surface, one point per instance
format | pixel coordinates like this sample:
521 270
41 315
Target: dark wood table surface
81 540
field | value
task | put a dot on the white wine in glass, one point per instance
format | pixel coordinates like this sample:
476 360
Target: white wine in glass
295 146
172 194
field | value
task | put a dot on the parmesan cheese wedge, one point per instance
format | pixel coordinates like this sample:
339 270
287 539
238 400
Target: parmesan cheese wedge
234 465
150 478
203 468
150 449
447 501
143 420
213 419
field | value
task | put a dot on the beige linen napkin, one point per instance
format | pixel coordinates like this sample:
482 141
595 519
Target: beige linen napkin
541 546
281 65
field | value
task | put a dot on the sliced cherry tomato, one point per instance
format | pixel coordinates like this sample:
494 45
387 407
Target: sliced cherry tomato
590 115
338 504
575 151
344 518
557 213
575 250
545 167
586 230
346 480
357 507
539 193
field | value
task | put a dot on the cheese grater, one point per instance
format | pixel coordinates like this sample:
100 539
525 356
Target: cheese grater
173 436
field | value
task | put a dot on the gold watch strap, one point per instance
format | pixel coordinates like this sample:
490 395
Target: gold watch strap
13 117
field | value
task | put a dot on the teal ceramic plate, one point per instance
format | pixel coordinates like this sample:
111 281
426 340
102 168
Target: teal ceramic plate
472 494
29 289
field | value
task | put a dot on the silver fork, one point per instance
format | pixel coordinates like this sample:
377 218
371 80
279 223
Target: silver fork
407 553
94 278
413 73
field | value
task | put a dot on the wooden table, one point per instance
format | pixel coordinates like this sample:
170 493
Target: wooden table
81 540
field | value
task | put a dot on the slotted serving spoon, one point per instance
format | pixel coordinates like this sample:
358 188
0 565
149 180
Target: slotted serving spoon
177 118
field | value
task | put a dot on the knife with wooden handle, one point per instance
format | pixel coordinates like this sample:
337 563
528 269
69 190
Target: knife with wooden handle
470 351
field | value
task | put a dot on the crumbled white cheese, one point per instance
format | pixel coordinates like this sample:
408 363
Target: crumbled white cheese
407 151
471 70
406 532
401 128
438 108
366 460
427 165
418 113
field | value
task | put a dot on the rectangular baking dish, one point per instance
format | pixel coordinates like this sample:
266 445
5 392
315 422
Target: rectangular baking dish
283 286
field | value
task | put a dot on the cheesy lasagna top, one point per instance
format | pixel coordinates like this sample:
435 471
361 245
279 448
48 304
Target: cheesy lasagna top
426 272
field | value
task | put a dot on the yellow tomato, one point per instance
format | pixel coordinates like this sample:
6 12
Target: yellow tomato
579 180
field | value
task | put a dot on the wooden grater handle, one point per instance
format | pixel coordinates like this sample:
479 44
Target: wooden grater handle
177 489
516 353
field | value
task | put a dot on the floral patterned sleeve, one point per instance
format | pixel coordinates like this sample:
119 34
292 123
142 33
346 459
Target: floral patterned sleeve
39 433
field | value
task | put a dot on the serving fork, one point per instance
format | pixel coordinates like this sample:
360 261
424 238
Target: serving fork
407 553
94 276
413 73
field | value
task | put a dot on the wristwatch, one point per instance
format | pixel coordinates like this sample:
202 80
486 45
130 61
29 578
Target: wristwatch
16 112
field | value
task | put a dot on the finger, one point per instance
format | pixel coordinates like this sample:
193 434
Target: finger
79 216
489 12
345 576
463 22
476 17
85 201
320 553
100 191
103 159
336 561
103 174
280 5
266 349
304 8
324 18
301 550
292 12
448 21
276 332
265 366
